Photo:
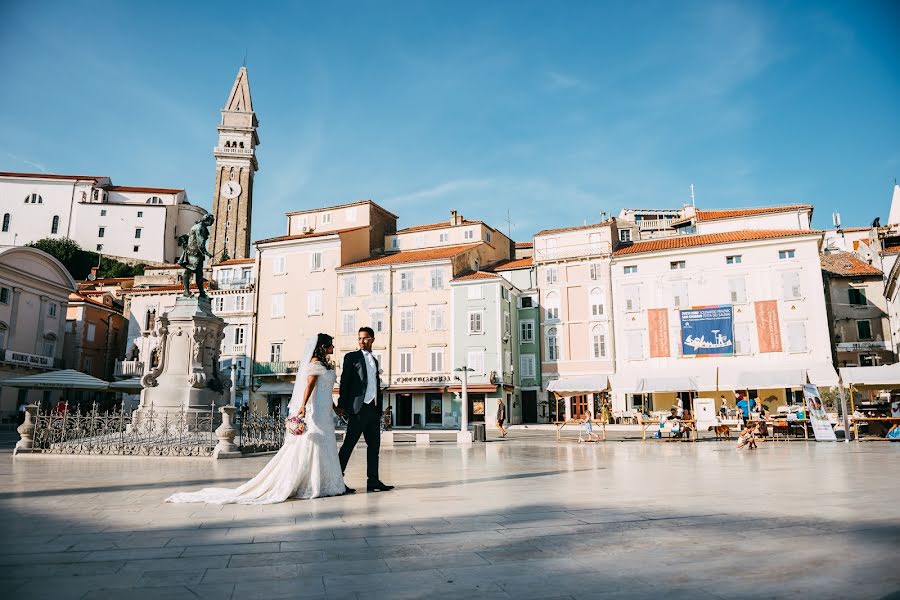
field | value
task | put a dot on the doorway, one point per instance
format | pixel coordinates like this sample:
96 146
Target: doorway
529 406
404 410
579 406
434 408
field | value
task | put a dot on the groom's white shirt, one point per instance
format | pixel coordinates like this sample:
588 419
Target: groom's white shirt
371 377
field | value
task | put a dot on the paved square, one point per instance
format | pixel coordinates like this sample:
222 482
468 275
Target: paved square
520 518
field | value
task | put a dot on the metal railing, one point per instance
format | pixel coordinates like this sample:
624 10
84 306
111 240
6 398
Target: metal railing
275 368
235 284
654 223
572 251
224 150
239 349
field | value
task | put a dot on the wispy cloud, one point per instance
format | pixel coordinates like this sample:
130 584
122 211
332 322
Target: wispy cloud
440 191
562 81
39 166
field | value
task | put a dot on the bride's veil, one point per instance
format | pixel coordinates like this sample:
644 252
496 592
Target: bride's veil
300 381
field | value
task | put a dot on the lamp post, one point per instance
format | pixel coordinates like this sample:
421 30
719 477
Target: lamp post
463 436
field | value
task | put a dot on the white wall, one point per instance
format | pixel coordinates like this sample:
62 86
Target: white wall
791 220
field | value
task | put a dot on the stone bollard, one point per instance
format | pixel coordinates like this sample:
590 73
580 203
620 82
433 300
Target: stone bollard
226 432
26 431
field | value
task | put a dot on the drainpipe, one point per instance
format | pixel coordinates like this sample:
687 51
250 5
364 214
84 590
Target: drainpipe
257 266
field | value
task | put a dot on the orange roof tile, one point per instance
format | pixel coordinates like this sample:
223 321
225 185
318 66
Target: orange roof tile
891 250
576 228
314 234
476 275
346 205
438 225
709 239
509 265
236 261
165 288
847 264
734 213
131 188
524 244
412 256
50 176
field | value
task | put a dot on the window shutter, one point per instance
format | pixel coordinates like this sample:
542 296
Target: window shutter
680 294
738 290
790 285
797 336
635 345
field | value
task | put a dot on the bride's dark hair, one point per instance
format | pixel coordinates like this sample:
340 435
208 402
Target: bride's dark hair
324 340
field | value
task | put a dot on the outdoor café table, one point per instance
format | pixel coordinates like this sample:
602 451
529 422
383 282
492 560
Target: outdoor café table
867 420
580 423
645 425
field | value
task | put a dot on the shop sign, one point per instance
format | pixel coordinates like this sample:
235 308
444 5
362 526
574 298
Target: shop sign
422 379
32 360
707 331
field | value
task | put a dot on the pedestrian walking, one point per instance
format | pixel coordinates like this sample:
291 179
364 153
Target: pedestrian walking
501 416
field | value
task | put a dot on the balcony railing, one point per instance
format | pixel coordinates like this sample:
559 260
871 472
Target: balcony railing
129 368
238 349
241 151
235 284
654 223
572 251
276 368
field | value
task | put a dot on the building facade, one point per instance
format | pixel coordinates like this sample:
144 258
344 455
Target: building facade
134 224
34 294
95 334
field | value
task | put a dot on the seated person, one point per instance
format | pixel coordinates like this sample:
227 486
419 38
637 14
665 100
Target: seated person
894 433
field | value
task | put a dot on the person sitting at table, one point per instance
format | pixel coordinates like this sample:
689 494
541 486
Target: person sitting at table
723 410
894 433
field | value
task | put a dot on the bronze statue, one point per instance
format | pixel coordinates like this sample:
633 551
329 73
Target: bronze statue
193 255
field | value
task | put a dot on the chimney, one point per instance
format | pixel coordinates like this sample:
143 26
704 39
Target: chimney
455 219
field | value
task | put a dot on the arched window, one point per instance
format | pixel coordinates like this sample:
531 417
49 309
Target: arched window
241 144
6 222
54 228
552 306
50 344
154 200
34 199
598 342
596 301
228 144
552 344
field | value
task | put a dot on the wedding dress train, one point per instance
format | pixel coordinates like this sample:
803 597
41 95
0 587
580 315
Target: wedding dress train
306 466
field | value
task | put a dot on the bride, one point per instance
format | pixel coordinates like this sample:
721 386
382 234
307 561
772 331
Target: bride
307 466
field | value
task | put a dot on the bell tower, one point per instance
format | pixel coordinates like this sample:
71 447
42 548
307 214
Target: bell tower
236 166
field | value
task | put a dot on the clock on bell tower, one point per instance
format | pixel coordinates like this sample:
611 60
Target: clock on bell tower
236 166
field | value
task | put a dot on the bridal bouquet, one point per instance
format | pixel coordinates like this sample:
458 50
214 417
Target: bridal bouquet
295 425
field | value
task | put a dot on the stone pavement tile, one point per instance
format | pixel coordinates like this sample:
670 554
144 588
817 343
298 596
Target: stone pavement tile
213 550
215 591
421 563
175 564
345 567
283 534
37 570
260 573
303 587
276 558
425 538
286 521
421 582
327 544
134 554
456 527
48 558
363 552
171 578
442 591
503 556
368 532
209 537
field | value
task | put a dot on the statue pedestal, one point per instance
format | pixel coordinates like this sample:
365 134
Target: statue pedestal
186 379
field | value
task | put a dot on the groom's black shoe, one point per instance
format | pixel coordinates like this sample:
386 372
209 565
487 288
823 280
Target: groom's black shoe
348 490
377 486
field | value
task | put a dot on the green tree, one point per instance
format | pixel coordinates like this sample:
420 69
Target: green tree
80 262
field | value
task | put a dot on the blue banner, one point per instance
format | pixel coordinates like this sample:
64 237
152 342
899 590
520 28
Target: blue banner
707 331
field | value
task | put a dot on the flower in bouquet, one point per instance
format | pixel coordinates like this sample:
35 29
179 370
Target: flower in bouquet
295 425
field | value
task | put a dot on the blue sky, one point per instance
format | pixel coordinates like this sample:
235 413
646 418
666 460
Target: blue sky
551 111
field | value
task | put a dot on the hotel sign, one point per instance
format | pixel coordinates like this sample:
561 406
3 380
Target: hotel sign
857 346
423 379
32 360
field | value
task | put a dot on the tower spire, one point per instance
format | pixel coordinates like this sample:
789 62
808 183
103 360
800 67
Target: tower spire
239 99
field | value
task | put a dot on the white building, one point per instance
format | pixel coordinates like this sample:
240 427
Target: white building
766 286
138 224
34 293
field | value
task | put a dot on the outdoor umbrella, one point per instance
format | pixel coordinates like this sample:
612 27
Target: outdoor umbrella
67 379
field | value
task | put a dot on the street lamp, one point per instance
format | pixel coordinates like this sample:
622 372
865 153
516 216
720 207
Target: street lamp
464 436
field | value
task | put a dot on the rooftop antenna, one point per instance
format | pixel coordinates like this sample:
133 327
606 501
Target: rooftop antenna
836 219
508 225
693 203
245 58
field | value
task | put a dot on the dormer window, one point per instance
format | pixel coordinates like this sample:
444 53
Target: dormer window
624 235
154 200
34 199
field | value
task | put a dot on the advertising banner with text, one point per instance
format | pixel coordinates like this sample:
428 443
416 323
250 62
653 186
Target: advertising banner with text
815 410
768 330
658 326
707 331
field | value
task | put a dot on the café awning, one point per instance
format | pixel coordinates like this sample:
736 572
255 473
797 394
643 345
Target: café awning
579 384
787 376
130 385
872 378
283 388
681 379
67 379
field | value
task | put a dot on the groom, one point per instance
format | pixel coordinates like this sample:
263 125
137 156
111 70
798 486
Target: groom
360 400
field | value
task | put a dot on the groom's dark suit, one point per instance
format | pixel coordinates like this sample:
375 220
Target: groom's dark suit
362 418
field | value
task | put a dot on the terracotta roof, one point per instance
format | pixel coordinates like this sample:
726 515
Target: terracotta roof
412 256
235 261
77 297
891 250
576 228
734 213
336 206
165 288
314 234
524 244
162 267
49 176
476 275
709 239
855 229
100 280
847 264
509 265
130 188
439 225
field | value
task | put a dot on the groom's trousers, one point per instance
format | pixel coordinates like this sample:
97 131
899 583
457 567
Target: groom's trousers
367 424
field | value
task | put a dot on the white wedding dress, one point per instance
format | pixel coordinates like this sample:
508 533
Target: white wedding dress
307 466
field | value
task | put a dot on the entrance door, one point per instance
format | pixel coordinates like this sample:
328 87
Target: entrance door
404 410
579 406
434 408
476 408
529 406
